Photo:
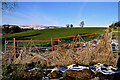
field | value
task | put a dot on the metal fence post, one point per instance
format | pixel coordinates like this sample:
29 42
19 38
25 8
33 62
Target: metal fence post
75 41
14 48
79 41
84 41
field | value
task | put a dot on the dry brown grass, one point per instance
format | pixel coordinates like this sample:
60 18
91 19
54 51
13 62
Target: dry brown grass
101 53
84 56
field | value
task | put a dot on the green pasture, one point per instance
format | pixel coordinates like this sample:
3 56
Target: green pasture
46 34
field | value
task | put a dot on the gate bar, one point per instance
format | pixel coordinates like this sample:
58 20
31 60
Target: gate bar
14 48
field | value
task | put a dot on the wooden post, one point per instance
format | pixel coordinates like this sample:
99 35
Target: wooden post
14 48
5 48
52 44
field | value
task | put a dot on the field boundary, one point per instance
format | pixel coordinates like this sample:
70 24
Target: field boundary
53 47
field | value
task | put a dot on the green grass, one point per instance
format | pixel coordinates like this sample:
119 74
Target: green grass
46 34
116 29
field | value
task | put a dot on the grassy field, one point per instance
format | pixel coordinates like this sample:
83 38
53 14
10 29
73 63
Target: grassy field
116 29
46 34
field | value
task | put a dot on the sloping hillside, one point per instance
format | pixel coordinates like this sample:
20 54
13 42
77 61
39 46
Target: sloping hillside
46 34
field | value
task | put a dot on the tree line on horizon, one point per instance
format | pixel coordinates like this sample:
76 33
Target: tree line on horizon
71 25
6 29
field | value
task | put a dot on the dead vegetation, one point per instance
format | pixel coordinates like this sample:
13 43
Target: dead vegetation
83 56
99 53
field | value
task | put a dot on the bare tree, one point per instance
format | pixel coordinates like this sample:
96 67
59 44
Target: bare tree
71 25
8 6
82 24
67 25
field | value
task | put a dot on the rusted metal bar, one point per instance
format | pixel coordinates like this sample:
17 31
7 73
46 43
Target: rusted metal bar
75 42
80 35
28 42
14 48
50 40
36 47
83 40
90 34
58 39
31 43
79 41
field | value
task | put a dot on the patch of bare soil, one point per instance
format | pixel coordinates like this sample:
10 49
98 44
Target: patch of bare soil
84 74
55 75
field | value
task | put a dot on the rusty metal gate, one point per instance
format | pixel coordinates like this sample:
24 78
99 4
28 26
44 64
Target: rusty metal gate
13 48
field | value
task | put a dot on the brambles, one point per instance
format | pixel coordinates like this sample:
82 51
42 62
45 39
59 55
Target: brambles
85 56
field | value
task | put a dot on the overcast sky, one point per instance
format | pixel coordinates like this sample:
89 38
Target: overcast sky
62 13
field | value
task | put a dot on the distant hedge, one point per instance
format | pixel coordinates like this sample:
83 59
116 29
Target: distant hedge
116 24
6 29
